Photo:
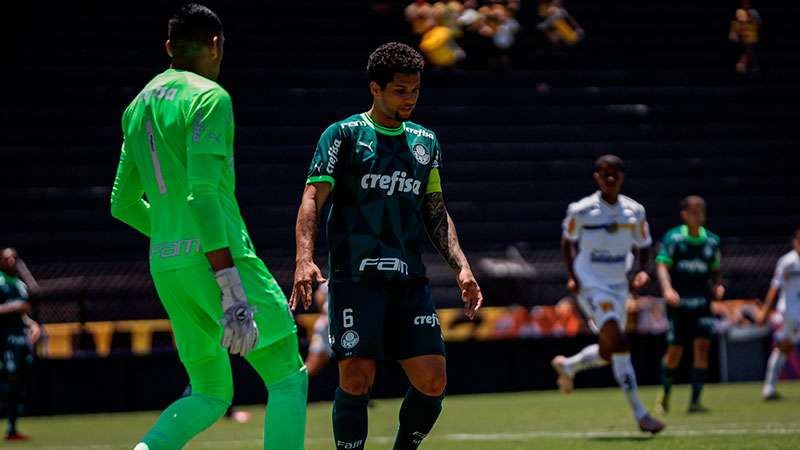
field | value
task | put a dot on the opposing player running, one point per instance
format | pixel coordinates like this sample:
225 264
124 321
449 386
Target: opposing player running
382 173
786 281
599 233
688 265
178 151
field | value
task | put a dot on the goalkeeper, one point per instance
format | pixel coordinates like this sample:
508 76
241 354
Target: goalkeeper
178 152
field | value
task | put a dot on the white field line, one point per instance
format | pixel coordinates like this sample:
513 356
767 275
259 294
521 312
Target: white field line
730 430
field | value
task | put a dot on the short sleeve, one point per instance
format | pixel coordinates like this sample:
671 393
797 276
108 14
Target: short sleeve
437 155
434 178
777 277
641 233
666 251
327 156
210 120
717 261
571 227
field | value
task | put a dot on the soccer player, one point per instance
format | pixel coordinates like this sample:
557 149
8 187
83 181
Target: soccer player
16 352
178 151
786 281
598 235
688 272
382 173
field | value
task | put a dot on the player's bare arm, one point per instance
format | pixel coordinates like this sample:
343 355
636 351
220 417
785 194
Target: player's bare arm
569 250
306 271
442 233
15 307
642 278
665 281
769 302
718 289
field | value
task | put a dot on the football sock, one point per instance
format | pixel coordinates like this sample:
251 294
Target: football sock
667 378
698 380
350 420
774 367
587 358
418 413
626 378
212 390
285 420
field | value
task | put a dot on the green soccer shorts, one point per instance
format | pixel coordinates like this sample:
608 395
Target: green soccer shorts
193 303
383 320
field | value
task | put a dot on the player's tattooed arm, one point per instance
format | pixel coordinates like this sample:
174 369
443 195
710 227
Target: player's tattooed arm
442 231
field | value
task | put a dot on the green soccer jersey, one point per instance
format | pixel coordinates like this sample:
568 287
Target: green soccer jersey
378 177
177 115
691 261
12 289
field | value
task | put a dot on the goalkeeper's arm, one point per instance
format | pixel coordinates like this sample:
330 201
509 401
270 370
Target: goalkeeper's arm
127 203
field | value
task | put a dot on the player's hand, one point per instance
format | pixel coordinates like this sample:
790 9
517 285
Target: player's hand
34 331
305 274
240 333
573 285
763 314
640 281
718 291
672 297
470 292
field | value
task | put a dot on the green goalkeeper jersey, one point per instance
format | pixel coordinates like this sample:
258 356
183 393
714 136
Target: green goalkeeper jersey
178 114
691 261
379 177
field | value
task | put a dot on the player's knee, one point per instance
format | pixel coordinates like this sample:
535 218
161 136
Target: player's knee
356 377
432 385
673 356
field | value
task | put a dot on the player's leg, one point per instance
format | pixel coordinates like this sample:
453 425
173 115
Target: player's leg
774 366
191 299
16 364
609 314
276 358
414 338
704 330
588 358
356 312
672 358
280 367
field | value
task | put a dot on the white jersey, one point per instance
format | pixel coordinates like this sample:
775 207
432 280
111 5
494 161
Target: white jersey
605 234
787 279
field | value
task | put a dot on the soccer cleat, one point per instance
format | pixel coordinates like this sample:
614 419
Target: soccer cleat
662 404
649 424
17 437
772 396
698 408
564 378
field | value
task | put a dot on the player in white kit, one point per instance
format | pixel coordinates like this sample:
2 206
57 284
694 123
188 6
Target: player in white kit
604 235
786 281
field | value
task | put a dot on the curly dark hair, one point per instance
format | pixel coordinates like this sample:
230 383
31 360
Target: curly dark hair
392 58
191 26
613 161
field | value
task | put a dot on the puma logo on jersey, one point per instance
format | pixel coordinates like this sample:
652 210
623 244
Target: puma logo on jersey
362 144
391 184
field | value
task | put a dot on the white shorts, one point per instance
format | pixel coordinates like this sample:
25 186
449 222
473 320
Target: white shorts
789 330
320 342
601 303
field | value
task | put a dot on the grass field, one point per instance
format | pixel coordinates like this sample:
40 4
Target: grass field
587 419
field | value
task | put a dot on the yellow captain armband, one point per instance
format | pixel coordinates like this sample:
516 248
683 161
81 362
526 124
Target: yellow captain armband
434 182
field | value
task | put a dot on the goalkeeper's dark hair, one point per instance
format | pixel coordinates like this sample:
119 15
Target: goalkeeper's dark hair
192 26
692 200
612 161
392 58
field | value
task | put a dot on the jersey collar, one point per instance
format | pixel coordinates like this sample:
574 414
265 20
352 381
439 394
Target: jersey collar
702 235
381 129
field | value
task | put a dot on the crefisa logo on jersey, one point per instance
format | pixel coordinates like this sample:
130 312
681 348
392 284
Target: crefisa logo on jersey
421 153
350 339
333 155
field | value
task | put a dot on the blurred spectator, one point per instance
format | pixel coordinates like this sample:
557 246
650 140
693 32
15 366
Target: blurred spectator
558 26
745 32
562 319
18 334
646 315
319 350
569 317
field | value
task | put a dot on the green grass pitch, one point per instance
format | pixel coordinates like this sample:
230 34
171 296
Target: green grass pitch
587 419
